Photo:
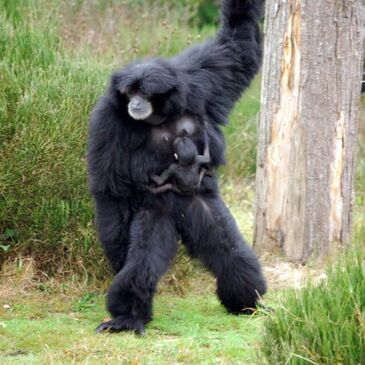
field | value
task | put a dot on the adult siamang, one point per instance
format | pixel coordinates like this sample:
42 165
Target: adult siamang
140 230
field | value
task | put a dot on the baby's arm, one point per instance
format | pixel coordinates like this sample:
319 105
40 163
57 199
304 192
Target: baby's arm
205 158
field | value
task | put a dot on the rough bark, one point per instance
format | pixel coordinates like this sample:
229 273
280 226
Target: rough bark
307 127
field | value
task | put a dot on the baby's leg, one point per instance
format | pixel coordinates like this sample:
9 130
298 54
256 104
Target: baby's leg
163 189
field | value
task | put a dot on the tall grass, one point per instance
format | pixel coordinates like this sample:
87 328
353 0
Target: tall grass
324 323
45 98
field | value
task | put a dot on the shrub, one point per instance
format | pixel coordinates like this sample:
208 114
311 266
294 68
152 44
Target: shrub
45 99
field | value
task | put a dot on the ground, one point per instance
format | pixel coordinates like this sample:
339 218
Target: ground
53 323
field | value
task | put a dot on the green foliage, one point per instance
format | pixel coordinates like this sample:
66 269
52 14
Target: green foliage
11 9
324 323
45 99
207 13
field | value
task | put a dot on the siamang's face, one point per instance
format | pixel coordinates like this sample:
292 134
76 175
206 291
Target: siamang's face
185 150
151 89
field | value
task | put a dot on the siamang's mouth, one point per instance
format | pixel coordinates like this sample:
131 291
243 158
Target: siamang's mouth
139 114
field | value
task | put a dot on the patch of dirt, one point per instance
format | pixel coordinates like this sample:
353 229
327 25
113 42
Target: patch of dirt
282 274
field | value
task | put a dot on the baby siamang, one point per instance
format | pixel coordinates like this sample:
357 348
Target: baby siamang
186 175
140 230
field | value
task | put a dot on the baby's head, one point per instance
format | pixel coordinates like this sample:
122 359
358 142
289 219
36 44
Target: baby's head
185 151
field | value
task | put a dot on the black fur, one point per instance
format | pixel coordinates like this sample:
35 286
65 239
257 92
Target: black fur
140 230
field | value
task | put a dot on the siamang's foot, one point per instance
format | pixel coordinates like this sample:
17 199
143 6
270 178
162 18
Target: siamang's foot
122 323
259 309
262 308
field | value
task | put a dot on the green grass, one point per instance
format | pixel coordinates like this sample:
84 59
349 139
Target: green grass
323 323
195 329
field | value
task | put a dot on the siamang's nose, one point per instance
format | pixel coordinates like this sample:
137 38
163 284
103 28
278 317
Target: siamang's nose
136 104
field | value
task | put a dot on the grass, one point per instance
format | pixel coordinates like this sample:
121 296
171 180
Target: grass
57 329
45 97
322 323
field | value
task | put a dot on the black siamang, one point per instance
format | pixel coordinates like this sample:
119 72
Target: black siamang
140 230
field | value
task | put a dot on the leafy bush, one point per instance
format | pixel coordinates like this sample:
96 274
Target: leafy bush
324 323
45 99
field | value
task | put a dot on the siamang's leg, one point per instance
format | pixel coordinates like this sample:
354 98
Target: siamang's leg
112 221
154 242
211 234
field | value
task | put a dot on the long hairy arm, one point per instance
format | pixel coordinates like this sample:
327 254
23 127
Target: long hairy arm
108 161
108 152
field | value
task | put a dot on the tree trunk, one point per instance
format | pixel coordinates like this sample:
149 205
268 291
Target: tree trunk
307 128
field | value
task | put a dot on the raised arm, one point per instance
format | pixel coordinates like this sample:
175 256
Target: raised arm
220 69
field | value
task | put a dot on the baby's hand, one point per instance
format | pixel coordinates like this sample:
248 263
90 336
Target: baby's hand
157 179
